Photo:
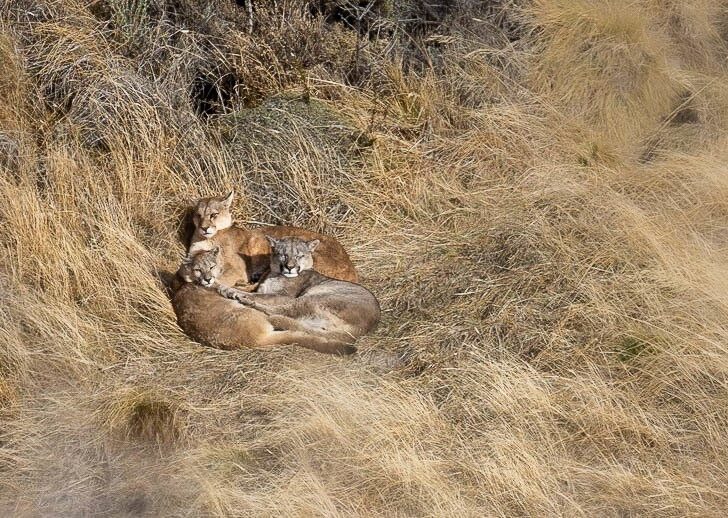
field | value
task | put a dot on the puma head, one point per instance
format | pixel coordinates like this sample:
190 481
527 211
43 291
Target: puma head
203 268
212 215
290 255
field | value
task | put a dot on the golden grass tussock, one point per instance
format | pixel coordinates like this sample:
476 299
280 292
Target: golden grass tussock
606 63
534 190
144 415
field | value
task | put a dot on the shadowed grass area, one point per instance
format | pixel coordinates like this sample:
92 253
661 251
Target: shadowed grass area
536 191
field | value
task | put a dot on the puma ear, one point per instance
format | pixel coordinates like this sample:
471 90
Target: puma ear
228 200
313 244
191 204
215 250
184 270
273 241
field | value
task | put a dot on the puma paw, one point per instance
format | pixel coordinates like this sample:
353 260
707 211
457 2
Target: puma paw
242 297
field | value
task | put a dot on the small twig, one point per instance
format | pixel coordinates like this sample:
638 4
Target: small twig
249 5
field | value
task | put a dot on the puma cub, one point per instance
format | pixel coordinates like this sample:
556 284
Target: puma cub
246 253
340 309
223 323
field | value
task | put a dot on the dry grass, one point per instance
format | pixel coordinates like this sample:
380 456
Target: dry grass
536 191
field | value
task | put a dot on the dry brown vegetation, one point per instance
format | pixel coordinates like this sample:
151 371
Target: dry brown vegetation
537 192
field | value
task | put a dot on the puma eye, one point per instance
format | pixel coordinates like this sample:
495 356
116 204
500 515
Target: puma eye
214 215
197 270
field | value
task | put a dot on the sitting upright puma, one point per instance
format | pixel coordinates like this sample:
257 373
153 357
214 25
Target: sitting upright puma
223 323
246 253
343 310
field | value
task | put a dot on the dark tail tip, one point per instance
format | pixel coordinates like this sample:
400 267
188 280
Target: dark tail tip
346 349
329 346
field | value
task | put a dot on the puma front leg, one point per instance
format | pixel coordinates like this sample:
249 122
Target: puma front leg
251 299
284 323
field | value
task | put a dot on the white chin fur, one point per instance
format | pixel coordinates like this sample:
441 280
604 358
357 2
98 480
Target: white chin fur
291 274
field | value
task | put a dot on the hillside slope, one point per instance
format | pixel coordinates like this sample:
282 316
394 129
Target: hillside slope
536 191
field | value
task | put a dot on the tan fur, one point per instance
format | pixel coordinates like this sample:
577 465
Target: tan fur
246 253
223 323
211 215
204 269
340 309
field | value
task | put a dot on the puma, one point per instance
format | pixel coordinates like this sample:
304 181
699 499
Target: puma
342 310
225 324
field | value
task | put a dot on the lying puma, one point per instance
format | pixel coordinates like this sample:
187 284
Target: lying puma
341 309
246 253
223 323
